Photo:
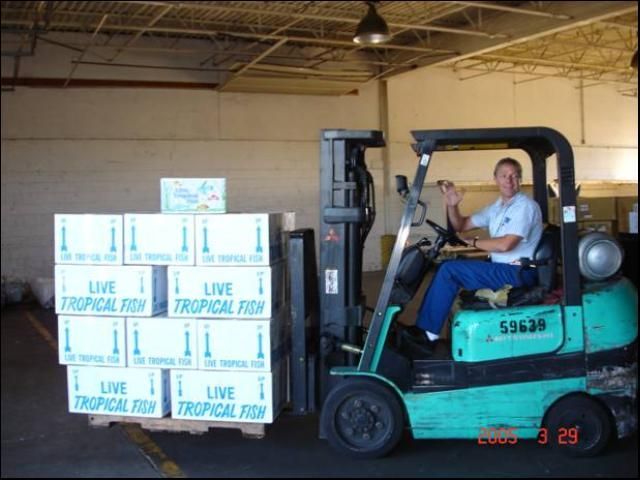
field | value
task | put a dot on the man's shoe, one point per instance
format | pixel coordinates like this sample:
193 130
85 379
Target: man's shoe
414 334
419 351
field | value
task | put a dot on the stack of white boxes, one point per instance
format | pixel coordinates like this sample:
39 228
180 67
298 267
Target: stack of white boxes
95 293
237 292
223 342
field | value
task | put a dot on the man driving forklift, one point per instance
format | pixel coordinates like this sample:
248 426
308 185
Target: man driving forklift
515 227
532 370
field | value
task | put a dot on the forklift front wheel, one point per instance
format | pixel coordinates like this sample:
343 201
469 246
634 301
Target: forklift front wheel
362 418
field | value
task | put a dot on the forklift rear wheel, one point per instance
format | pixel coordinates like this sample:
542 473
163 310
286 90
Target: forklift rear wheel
579 426
362 418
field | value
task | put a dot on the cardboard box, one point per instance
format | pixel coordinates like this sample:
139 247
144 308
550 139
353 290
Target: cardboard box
87 239
193 195
136 392
158 239
627 214
134 291
587 209
240 239
226 292
242 344
596 208
88 340
253 397
162 342
606 226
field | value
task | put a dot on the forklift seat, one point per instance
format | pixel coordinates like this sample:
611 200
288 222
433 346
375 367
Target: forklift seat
545 261
545 258
411 272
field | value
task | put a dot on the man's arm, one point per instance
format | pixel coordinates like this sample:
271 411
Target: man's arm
505 243
518 228
453 197
459 222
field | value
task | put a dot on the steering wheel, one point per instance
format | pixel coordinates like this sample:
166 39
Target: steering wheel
448 236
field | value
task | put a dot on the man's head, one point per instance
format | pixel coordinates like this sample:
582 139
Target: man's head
507 174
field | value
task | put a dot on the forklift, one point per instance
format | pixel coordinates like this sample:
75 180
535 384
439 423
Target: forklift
563 372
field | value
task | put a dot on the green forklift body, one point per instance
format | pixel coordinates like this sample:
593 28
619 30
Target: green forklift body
508 367
463 413
610 315
480 335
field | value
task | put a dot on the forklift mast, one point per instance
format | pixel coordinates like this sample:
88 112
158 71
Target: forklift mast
368 390
347 213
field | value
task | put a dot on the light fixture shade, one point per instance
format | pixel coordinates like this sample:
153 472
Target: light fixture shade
372 28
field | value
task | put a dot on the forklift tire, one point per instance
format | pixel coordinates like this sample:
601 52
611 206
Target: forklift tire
578 426
362 418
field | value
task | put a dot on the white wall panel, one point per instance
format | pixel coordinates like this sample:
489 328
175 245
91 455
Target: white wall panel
436 99
439 99
110 113
610 118
104 150
287 117
548 102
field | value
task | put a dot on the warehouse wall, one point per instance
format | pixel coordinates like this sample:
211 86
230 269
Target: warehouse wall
605 135
599 123
104 150
101 151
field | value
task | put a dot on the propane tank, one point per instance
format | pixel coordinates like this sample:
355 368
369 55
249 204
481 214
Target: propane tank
600 256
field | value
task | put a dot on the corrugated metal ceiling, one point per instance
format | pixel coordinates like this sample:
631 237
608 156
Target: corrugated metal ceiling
307 47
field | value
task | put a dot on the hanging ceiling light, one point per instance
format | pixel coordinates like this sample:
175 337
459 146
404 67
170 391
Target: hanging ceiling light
372 29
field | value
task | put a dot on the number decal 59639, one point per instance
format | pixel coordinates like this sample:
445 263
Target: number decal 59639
527 325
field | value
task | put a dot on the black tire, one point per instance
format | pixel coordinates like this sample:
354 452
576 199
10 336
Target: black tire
591 420
362 418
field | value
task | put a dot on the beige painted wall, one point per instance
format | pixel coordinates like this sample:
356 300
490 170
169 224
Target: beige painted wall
100 151
104 150
599 123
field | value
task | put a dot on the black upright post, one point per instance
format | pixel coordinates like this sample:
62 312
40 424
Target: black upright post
346 216
304 321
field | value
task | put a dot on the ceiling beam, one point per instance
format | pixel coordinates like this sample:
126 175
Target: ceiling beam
310 16
86 48
264 54
249 35
151 23
38 82
505 8
551 63
530 28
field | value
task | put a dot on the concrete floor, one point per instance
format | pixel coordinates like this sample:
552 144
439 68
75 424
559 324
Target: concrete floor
41 439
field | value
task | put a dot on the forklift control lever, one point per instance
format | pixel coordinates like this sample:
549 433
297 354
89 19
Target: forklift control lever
347 347
424 242
330 343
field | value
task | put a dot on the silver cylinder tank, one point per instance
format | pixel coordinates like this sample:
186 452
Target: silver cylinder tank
600 256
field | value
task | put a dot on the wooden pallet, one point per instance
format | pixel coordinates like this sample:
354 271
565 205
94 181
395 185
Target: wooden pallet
249 430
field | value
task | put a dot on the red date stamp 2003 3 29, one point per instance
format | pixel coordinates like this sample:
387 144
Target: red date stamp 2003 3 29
509 436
